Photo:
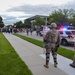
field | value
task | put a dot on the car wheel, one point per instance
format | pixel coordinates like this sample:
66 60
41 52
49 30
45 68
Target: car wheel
64 42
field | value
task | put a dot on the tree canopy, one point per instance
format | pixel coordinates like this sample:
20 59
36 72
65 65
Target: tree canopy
18 24
1 22
61 17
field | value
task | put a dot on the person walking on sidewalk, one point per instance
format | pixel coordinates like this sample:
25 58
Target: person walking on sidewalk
50 40
27 31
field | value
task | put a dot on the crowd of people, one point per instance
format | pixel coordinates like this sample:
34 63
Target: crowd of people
51 40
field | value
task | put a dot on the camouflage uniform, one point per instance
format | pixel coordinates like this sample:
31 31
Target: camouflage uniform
51 38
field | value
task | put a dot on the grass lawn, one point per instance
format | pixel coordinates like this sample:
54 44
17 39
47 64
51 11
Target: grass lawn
62 51
10 62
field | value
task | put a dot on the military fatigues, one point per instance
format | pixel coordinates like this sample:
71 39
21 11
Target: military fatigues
50 42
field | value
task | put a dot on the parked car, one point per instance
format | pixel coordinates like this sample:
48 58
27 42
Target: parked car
67 36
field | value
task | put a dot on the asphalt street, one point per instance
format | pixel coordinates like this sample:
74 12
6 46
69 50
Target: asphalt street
41 39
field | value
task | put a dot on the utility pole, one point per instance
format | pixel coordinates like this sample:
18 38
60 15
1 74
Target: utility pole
46 21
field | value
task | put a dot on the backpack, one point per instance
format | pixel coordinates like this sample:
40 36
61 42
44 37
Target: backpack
52 36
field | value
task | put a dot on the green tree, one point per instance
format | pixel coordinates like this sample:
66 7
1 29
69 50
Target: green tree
39 21
0 19
18 24
1 23
72 20
27 23
60 17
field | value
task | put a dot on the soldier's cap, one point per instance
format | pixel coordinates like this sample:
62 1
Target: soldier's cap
53 25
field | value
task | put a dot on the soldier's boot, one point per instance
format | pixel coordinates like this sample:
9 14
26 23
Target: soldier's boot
47 64
55 64
47 59
54 54
55 61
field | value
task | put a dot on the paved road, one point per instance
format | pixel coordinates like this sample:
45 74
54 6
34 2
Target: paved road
41 39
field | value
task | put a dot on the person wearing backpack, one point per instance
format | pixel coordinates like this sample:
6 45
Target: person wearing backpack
51 38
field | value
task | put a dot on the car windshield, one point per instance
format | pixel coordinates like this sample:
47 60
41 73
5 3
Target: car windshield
68 32
73 32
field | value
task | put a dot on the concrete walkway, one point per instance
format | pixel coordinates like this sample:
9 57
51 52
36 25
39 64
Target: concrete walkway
33 56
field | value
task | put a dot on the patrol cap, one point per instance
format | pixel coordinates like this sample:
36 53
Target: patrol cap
53 25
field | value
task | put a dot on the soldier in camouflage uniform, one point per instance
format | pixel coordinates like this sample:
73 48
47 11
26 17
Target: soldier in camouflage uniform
50 39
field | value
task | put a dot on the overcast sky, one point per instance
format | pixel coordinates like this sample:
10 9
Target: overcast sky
15 10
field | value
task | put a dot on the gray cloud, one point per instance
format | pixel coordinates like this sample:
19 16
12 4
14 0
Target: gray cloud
69 5
31 10
9 19
36 10
42 9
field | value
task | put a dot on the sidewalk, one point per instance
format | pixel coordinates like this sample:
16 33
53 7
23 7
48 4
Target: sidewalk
33 56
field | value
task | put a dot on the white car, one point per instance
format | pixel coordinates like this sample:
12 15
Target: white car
67 37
